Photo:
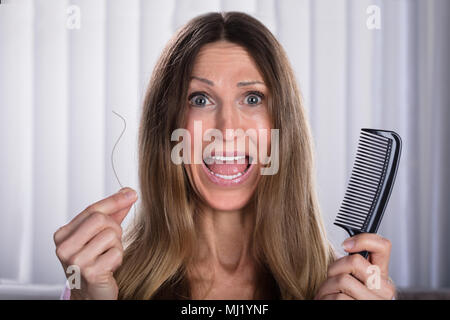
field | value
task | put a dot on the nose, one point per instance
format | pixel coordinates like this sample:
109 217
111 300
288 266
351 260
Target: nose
228 117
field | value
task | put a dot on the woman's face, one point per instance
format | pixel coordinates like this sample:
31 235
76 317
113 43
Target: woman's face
226 91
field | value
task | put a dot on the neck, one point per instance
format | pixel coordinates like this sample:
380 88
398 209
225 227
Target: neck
224 266
224 239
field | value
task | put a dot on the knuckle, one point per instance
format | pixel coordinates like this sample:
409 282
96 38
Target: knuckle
98 218
342 280
355 260
117 243
76 260
328 273
330 270
55 239
91 208
110 235
391 288
57 234
117 255
60 253
120 246
116 228
340 296
387 243
383 240
90 275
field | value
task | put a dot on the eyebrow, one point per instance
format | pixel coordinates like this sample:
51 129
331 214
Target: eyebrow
239 84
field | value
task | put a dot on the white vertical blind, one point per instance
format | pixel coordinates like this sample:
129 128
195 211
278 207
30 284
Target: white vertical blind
16 139
58 87
328 103
440 208
422 183
396 99
186 9
156 28
87 106
50 136
295 46
122 92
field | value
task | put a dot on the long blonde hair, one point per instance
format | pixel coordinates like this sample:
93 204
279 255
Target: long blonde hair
289 237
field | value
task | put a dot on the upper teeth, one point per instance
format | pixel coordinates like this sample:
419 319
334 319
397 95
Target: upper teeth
227 158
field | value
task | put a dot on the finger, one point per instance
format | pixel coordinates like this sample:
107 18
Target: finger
98 245
378 247
110 260
120 215
367 273
337 296
345 283
111 205
355 265
101 273
115 203
91 226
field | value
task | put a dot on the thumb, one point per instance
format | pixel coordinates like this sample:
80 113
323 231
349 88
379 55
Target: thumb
120 215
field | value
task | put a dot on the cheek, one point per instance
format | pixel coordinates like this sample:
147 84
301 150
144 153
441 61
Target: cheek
196 124
261 123
258 118
193 118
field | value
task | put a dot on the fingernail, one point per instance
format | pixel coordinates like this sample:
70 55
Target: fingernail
348 244
128 193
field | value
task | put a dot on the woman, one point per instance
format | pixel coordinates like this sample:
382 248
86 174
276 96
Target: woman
215 229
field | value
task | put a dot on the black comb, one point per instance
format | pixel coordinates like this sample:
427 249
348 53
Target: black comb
371 182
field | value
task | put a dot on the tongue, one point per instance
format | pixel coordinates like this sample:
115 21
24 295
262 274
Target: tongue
228 169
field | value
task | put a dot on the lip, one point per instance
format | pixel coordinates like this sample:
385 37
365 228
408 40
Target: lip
228 183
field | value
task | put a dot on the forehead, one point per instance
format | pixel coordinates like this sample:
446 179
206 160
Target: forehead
224 59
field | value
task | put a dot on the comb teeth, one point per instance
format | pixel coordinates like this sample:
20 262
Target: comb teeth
366 180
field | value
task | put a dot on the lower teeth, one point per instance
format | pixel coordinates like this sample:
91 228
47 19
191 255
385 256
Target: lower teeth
228 177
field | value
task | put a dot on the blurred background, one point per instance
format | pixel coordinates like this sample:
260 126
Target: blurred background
66 65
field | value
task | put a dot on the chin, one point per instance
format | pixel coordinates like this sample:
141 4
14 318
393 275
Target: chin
229 202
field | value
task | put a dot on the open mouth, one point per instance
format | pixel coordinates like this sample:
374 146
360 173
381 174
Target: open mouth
229 170
228 167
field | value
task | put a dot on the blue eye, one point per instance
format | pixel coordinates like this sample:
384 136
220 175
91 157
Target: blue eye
254 98
198 99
